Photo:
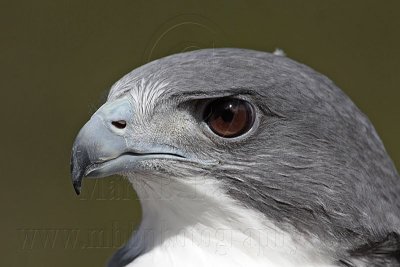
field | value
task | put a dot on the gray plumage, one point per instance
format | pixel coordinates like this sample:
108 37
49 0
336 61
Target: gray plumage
313 162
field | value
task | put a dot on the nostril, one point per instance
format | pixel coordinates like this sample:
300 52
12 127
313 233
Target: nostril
121 124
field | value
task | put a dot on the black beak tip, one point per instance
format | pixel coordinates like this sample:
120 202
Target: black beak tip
78 163
77 187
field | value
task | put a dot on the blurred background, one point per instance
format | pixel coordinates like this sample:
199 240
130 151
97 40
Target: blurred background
59 58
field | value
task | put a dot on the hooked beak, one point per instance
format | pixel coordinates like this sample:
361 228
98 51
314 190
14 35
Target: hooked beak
95 145
101 147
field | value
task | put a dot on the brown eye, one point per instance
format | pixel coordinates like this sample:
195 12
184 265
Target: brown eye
229 117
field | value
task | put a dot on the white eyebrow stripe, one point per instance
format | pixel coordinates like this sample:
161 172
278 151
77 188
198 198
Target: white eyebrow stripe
143 93
146 93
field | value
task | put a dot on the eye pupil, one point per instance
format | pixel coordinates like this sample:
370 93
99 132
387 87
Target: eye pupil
229 117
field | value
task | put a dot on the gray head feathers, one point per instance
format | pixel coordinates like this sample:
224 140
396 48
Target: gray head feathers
313 161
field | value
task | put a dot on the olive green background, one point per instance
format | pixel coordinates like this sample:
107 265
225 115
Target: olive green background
59 58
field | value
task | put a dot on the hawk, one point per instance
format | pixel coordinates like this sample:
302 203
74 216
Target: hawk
243 158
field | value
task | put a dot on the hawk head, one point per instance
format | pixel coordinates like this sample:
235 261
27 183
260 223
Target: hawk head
202 133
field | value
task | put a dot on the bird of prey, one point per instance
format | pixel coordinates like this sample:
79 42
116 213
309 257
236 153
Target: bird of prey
243 158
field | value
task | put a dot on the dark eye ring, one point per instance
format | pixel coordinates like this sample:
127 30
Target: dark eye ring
229 117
